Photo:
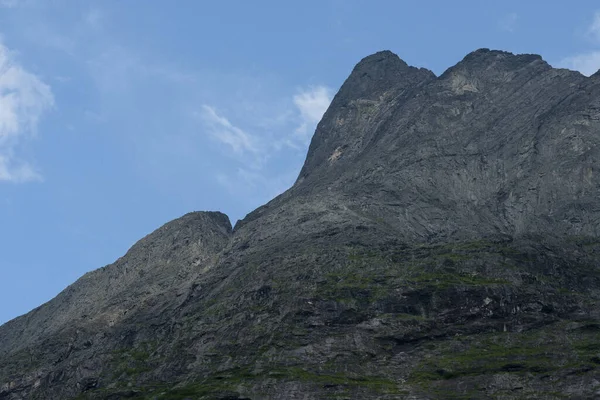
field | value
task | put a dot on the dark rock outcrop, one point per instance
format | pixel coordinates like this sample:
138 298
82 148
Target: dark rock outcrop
441 241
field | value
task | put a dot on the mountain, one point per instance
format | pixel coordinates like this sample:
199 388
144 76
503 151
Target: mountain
441 242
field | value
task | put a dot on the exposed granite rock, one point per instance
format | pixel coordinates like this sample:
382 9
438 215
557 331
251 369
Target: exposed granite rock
441 241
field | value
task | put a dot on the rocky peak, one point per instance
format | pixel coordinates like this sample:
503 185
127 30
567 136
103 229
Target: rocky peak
202 226
484 68
469 140
374 81
485 57
376 74
157 263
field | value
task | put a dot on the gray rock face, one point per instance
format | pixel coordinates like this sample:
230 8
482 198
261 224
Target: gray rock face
441 241
350 118
499 144
161 265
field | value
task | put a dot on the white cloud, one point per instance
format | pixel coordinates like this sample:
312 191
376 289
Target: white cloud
224 131
509 22
312 104
23 100
586 63
263 167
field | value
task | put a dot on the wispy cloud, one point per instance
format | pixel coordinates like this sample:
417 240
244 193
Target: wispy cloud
23 100
508 22
225 132
268 156
587 62
312 104
244 118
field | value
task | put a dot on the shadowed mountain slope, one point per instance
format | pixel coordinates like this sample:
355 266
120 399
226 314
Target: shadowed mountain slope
441 241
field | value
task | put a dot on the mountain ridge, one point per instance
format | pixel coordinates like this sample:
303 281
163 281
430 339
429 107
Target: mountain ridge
434 216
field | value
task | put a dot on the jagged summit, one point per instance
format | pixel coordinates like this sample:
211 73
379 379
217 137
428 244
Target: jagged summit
471 133
383 77
484 55
472 153
442 241
376 74
374 80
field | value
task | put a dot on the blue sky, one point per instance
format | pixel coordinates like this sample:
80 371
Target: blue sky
118 116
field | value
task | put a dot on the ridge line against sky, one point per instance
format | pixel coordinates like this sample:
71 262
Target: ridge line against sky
116 117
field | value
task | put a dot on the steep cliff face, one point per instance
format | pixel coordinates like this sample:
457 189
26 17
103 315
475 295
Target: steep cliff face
441 241
348 125
498 144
